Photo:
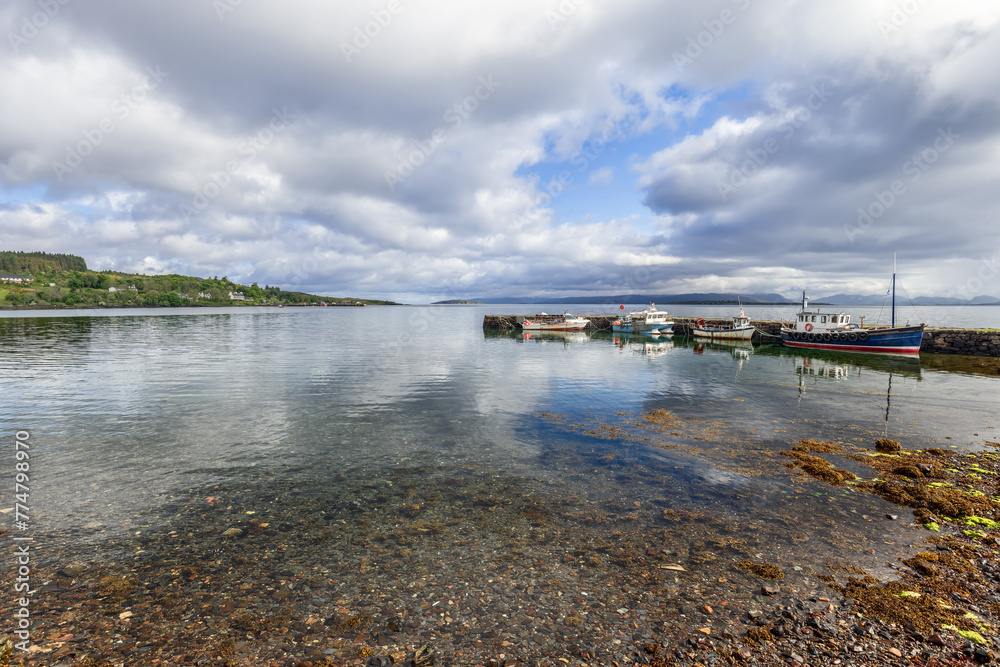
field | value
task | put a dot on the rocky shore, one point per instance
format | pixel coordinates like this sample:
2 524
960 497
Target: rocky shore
421 566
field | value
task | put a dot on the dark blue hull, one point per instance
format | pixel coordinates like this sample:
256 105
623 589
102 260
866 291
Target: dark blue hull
897 340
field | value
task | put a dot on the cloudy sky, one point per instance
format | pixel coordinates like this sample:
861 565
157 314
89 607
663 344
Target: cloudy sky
421 150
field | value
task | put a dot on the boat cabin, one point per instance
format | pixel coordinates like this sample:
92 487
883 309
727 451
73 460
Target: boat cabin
741 321
649 315
820 322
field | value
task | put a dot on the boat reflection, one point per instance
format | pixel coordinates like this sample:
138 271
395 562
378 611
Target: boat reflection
834 365
565 337
815 368
739 349
648 344
546 336
644 344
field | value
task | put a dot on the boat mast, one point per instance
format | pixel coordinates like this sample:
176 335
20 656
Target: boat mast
893 289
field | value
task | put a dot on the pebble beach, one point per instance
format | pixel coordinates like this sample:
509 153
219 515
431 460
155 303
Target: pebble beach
462 567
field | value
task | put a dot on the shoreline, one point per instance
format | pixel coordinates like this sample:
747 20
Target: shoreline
195 305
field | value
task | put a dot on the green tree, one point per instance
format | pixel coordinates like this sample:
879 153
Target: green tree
253 292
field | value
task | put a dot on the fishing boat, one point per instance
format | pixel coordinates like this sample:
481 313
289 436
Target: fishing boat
567 322
835 331
648 321
740 329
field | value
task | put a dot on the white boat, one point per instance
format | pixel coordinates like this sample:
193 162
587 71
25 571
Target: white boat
740 329
648 321
567 322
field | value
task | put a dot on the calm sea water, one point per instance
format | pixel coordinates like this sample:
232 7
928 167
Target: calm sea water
128 410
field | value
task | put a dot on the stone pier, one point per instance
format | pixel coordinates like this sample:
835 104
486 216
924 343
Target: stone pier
971 342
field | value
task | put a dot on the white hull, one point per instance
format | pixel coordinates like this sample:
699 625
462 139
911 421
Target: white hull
565 323
554 326
724 334
740 329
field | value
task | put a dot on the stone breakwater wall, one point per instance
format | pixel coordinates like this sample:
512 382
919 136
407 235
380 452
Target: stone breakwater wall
971 342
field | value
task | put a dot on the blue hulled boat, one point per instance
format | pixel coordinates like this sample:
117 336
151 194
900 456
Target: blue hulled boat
835 331
648 321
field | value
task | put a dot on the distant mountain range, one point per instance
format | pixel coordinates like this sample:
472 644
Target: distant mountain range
746 299
879 299
697 297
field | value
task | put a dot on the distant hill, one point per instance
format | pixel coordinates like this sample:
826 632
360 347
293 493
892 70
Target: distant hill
454 302
713 298
696 297
879 299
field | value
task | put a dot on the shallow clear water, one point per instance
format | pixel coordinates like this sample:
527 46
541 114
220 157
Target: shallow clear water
128 410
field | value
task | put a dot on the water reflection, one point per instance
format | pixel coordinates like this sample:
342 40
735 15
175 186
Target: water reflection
130 408
565 337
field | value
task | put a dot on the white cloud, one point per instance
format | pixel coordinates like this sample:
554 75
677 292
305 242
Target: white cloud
309 205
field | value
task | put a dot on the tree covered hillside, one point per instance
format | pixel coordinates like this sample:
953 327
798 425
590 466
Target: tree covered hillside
53 285
17 262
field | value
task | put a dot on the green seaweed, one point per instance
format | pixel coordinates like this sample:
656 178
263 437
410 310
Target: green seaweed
981 521
971 635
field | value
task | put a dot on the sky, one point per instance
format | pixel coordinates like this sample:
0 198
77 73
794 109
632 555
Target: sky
421 150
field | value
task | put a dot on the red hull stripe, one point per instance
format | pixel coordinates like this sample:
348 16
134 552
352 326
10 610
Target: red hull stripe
854 348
